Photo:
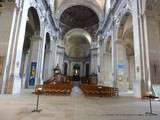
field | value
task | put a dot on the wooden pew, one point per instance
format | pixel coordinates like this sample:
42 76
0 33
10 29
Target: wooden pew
54 86
52 89
89 80
96 90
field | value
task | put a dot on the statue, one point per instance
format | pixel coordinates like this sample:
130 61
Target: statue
57 74
57 70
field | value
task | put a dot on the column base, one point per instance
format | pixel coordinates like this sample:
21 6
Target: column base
9 85
13 85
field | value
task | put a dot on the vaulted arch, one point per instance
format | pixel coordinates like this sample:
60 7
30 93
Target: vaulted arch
125 54
29 59
33 19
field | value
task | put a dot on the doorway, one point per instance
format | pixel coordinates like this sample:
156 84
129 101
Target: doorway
76 72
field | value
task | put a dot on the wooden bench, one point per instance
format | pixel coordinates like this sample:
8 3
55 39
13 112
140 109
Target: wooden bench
89 80
52 89
96 90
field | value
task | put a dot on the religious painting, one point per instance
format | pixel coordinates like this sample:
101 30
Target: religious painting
32 73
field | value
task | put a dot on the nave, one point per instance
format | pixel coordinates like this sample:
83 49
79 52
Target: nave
74 86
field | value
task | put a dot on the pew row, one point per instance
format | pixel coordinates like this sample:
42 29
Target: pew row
96 90
54 89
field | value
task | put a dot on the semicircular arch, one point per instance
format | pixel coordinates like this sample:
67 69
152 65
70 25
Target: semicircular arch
122 23
79 31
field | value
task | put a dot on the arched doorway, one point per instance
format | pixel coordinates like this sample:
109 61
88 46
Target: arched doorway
76 72
30 49
125 54
46 62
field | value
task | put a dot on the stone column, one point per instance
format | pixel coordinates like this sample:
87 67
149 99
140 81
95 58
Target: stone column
105 67
26 68
138 49
151 48
18 49
69 68
92 61
71 72
53 55
95 64
8 77
60 56
84 68
41 57
51 58
9 54
49 64
102 63
114 55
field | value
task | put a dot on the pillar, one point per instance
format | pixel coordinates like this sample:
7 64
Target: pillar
8 77
138 50
114 55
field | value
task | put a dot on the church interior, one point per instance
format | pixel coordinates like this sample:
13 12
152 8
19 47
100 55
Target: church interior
79 59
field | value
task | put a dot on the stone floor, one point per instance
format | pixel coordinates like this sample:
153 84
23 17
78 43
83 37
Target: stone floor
75 108
76 91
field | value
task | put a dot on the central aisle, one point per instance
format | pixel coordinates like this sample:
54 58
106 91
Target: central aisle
76 91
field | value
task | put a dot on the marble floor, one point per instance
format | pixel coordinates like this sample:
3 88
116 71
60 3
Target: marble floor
75 108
